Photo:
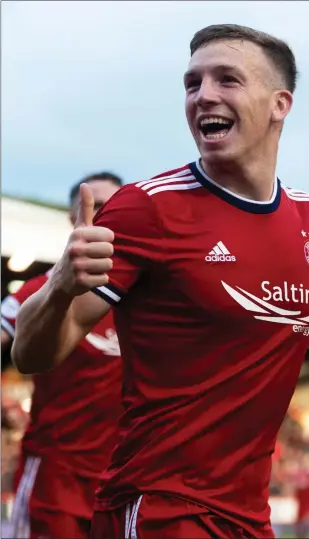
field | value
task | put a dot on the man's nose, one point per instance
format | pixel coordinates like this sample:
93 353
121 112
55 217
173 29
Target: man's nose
207 94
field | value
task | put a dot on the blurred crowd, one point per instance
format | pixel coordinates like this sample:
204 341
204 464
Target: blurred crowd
290 471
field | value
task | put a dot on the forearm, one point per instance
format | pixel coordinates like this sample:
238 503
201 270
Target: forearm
50 323
45 332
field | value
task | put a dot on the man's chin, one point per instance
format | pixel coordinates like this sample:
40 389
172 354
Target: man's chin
217 156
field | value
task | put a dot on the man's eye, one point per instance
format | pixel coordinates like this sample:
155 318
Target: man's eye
228 79
192 84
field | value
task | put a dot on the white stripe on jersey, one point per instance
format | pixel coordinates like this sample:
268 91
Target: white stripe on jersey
299 199
174 187
20 517
160 181
296 194
186 172
131 519
8 327
179 181
109 293
134 521
295 191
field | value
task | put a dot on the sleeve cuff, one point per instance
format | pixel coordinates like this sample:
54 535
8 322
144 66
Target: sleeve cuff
7 327
109 293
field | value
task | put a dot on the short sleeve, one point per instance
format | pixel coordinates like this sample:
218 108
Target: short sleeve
11 304
138 246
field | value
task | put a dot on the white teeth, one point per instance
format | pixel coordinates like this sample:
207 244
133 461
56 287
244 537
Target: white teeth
214 119
214 136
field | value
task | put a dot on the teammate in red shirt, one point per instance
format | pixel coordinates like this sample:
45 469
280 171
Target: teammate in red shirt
73 419
210 277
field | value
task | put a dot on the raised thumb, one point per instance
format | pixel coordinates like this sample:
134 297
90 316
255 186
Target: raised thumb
86 206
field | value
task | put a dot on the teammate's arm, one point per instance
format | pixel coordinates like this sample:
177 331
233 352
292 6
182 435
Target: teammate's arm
52 322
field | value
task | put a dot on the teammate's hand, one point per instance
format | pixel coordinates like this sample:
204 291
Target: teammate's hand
86 259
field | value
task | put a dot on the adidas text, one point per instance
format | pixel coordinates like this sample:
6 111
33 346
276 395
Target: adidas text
220 254
220 258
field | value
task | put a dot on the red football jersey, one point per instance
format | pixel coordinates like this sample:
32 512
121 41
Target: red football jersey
213 321
75 407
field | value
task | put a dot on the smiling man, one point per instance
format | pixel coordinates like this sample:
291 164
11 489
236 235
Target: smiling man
210 366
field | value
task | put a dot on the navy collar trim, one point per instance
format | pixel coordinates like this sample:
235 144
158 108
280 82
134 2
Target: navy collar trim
244 204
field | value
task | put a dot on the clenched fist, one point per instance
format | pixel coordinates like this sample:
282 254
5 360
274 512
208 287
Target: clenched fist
86 259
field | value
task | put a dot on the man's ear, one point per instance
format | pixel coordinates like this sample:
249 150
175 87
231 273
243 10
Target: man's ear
283 101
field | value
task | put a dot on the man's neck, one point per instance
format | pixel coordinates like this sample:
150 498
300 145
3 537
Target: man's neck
254 181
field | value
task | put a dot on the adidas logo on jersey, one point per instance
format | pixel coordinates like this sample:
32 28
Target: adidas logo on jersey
220 254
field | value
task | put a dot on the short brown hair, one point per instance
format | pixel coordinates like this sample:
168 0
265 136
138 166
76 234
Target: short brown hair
278 52
99 176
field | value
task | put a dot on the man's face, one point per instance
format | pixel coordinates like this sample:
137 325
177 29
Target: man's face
233 104
102 191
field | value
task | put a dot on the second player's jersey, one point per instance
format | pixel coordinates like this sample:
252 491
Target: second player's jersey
212 295
75 407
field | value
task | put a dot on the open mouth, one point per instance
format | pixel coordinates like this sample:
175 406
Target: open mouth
215 127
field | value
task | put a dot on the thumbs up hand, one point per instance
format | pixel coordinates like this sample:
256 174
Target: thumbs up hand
86 206
86 259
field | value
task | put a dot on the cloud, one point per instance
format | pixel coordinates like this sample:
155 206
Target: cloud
96 85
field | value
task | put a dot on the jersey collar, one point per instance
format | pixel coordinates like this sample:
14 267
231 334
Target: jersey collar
242 203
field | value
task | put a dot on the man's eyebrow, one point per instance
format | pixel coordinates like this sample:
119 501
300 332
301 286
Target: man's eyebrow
190 73
219 67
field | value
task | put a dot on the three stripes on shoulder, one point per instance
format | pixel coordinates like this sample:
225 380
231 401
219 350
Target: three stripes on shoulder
175 182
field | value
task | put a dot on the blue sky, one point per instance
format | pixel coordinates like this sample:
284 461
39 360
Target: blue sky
88 86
